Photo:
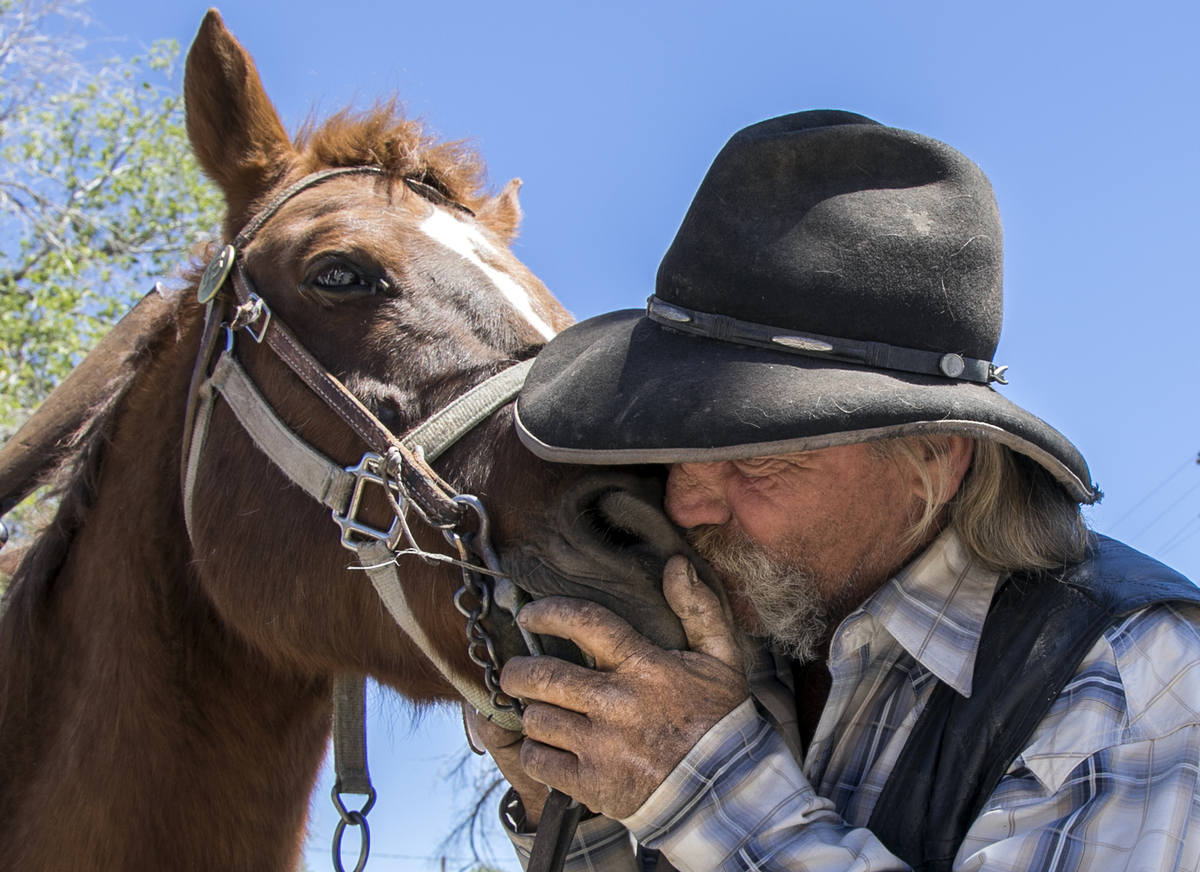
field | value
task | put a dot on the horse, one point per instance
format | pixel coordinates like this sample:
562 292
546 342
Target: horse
168 650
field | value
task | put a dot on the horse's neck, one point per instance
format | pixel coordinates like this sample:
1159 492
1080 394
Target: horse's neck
138 733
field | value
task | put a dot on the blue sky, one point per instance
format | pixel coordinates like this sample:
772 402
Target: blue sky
1084 115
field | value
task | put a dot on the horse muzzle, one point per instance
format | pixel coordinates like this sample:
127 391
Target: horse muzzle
608 540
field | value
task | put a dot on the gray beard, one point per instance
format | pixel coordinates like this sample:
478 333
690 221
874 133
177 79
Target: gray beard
785 597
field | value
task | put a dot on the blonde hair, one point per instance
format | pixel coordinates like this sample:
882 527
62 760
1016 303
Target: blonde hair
1009 512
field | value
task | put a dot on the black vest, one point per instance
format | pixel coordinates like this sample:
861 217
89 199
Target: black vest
1039 628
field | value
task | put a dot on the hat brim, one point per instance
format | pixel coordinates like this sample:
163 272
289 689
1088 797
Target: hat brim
620 389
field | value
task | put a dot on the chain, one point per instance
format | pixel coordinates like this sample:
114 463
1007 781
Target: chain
476 586
473 549
480 647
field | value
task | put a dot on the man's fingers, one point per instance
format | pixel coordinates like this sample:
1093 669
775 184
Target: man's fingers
598 632
700 612
551 725
551 680
491 735
551 766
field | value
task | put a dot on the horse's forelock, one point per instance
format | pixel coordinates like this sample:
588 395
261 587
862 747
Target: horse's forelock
381 136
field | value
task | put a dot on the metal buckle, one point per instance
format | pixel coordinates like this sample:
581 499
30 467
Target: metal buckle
367 471
258 301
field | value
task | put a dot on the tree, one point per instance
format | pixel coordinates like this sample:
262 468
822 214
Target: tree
99 193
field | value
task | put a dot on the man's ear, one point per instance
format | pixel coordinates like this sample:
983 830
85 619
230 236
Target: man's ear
946 464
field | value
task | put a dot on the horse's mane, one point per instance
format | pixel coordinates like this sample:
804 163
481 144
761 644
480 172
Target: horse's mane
72 479
383 137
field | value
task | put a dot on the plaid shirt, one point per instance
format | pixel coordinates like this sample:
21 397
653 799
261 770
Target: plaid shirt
1108 780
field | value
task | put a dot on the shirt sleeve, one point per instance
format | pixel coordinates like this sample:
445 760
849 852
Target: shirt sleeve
600 844
739 801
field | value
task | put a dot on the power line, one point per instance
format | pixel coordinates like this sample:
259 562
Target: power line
1186 494
1181 541
467 860
1161 485
1172 539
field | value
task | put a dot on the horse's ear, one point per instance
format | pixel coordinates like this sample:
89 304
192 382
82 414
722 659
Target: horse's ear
235 131
502 213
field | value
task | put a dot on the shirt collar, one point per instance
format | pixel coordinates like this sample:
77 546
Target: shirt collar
935 608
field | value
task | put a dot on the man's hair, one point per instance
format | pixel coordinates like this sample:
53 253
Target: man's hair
1009 512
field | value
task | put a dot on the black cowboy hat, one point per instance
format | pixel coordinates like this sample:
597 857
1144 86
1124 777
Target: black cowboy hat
834 281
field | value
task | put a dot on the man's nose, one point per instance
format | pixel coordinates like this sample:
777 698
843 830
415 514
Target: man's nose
696 494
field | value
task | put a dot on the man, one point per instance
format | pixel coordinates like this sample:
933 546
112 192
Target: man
925 659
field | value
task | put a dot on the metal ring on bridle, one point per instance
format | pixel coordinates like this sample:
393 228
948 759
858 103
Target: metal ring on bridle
357 818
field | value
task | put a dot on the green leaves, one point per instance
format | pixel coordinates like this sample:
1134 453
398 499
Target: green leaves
99 197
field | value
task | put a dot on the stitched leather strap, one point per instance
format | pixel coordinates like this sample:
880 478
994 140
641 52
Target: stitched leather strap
431 495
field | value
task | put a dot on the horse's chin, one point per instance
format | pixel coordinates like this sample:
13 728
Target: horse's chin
608 541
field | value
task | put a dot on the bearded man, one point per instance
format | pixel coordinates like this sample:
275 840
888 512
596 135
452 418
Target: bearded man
923 658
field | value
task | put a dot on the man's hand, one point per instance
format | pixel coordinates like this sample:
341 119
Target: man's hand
608 737
505 748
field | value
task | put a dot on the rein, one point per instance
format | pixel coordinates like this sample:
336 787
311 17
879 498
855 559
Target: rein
398 466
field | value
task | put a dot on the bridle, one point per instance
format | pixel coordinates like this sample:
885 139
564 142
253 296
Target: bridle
399 466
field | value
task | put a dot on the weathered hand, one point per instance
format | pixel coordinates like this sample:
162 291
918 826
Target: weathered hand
608 737
505 748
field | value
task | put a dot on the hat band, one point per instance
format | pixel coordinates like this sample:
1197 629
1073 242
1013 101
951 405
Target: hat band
878 355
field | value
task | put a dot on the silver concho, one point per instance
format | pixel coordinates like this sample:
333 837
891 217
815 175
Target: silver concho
952 365
802 343
666 310
215 273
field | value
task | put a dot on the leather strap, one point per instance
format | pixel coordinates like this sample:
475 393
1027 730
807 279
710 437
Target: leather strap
318 476
350 735
430 494
267 212
214 316
556 830
332 486
454 421
877 355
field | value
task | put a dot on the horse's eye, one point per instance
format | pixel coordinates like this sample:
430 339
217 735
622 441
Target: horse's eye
337 276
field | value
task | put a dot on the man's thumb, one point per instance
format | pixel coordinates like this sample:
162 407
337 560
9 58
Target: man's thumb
700 612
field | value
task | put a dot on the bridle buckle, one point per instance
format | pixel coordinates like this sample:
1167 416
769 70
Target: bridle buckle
368 470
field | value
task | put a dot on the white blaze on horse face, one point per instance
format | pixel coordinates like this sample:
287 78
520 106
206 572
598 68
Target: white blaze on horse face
468 242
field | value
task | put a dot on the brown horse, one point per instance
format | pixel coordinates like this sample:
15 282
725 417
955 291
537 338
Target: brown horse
165 699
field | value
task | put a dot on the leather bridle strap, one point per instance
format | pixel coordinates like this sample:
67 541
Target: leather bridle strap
334 487
431 495
214 280
443 429
267 212
400 465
